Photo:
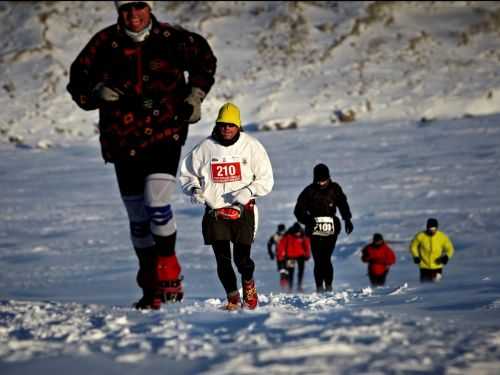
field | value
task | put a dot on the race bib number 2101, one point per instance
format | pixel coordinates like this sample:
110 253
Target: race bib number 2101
226 172
323 226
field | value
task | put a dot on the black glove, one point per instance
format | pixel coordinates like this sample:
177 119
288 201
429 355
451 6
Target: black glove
416 260
271 255
348 226
443 259
185 111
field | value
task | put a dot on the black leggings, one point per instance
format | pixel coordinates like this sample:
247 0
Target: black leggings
378 280
300 273
429 276
225 271
322 250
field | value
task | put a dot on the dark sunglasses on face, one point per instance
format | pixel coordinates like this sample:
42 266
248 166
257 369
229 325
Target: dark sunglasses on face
226 125
136 6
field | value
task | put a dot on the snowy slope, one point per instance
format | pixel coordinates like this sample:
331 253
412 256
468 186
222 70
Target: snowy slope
67 266
283 62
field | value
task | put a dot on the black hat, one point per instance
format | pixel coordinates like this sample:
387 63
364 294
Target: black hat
281 227
377 237
432 223
321 173
296 228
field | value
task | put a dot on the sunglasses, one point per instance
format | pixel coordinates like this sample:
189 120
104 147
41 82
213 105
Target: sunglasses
226 125
136 6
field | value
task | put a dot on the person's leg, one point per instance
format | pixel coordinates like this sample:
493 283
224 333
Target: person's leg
383 277
328 247
158 191
318 271
291 271
437 275
225 271
322 250
300 273
243 261
377 280
130 179
246 268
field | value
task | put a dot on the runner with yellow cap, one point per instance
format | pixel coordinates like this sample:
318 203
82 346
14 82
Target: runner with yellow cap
226 172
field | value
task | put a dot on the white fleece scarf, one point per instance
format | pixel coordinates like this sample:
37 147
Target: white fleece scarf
141 35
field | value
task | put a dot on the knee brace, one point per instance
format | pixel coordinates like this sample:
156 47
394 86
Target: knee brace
140 231
158 191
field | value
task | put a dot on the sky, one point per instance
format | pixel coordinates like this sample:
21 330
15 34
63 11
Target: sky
428 147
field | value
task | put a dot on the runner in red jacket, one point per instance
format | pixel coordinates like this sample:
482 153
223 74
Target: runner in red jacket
380 258
294 247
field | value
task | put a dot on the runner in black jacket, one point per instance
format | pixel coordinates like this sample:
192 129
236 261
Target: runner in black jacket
316 208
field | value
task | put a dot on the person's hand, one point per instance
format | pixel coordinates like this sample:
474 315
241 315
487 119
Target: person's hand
348 226
190 110
242 196
107 94
416 260
197 196
443 259
271 256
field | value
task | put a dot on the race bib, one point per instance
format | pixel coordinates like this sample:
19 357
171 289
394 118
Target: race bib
225 171
323 226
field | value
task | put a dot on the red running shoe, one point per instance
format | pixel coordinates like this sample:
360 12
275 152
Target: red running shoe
250 298
233 301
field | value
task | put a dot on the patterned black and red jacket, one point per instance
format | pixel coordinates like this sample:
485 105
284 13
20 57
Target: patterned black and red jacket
155 76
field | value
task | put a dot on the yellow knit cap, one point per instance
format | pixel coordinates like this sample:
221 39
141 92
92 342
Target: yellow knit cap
230 114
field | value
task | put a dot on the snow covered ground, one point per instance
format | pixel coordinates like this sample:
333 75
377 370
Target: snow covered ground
67 269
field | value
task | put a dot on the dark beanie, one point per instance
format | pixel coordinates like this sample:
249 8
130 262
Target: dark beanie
321 173
432 223
295 228
377 237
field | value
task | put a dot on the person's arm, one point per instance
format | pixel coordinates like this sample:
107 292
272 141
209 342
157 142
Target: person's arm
447 251
189 176
414 245
85 72
365 257
281 249
262 170
270 244
307 246
448 247
344 209
390 257
300 211
199 61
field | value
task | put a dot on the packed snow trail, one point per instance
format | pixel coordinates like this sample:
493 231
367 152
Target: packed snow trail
292 333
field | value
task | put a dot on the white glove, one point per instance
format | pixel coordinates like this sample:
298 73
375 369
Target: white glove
197 196
194 100
242 196
106 93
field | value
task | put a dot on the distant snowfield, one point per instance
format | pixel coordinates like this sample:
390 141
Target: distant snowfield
281 62
68 270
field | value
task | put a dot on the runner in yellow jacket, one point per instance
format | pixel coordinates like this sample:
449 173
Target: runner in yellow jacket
431 250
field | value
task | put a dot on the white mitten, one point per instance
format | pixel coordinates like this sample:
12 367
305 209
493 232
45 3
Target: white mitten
197 196
242 196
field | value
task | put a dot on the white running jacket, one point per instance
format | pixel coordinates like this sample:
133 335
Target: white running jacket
221 170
